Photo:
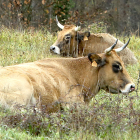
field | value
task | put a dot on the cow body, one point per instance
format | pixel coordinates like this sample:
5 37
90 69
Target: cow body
44 82
70 42
53 82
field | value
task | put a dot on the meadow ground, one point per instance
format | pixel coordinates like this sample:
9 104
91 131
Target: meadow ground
108 116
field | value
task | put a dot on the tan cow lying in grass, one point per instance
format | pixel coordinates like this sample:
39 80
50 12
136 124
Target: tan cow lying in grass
50 82
70 42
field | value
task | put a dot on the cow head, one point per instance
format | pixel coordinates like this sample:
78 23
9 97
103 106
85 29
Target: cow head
68 39
112 75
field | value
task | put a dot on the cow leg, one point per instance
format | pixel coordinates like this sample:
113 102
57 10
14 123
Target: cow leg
48 102
74 97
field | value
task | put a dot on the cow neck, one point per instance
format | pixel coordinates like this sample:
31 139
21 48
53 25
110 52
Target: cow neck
86 75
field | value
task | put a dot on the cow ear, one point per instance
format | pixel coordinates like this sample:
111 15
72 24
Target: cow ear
86 35
96 60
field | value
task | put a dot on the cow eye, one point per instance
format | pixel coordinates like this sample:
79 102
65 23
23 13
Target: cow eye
67 37
116 68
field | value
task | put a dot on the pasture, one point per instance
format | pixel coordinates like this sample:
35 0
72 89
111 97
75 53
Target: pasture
107 117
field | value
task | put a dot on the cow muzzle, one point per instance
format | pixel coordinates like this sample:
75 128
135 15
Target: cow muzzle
55 50
128 88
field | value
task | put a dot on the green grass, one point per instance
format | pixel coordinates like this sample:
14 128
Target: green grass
107 117
25 46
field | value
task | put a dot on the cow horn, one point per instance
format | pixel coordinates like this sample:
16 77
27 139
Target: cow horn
123 47
58 24
111 48
77 28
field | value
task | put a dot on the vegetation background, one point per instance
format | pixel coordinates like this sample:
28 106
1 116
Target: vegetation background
119 16
26 33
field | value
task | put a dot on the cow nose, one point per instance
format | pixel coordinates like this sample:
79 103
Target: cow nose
52 48
55 49
132 87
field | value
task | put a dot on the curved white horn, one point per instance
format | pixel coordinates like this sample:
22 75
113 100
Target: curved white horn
111 48
77 28
123 47
58 24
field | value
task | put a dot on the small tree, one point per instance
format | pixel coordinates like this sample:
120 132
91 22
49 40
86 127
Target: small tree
62 8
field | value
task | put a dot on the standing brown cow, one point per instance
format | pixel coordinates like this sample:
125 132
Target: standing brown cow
70 42
53 81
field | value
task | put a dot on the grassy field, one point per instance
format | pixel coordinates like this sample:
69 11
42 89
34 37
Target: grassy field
107 117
